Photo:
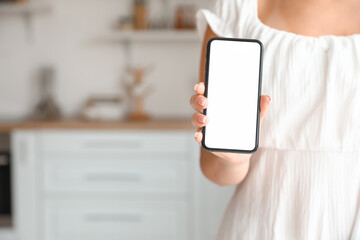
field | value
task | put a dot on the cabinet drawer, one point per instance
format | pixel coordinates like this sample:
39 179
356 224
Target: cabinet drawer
100 219
115 141
165 175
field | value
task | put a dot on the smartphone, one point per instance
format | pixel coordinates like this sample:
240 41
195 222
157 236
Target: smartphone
233 89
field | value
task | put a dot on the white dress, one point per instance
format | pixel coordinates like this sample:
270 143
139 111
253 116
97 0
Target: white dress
304 179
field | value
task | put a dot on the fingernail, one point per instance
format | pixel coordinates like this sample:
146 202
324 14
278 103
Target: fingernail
202 101
195 86
269 99
196 133
202 119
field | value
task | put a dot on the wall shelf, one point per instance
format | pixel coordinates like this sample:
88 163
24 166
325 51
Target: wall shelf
130 37
26 11
23 8
156 36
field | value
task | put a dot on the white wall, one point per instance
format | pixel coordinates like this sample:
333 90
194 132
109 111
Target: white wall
68 38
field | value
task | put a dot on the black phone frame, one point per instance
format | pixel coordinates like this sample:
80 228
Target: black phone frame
259 94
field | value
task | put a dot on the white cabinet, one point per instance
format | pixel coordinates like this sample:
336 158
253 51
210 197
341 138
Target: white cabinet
123 184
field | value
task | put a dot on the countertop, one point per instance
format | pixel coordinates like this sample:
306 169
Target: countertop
9 126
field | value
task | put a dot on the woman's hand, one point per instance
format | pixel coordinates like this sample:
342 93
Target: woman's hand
199 120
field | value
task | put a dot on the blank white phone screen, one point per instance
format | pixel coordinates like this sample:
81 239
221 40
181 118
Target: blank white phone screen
233 91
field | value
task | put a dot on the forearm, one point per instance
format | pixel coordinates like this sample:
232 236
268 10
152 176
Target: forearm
221 171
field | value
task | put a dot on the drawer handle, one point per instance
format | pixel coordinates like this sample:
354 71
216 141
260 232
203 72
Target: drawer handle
113 144
125 177
113 217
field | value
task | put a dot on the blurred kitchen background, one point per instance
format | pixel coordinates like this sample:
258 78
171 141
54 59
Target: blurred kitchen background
95 134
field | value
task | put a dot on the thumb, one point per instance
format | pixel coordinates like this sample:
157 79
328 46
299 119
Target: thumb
264 105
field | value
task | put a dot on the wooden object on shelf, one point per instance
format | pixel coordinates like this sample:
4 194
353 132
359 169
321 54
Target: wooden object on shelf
180 18
137 90
139 114
185 17
140 14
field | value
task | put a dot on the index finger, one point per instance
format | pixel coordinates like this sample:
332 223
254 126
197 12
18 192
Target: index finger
200 88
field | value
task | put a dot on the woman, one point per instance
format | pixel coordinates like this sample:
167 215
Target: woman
303 182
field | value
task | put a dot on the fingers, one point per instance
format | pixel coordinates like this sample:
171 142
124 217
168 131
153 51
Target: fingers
199 120
198 136
199 102
200 88
264 106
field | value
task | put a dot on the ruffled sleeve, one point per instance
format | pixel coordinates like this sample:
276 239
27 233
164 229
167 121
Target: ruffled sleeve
222 17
